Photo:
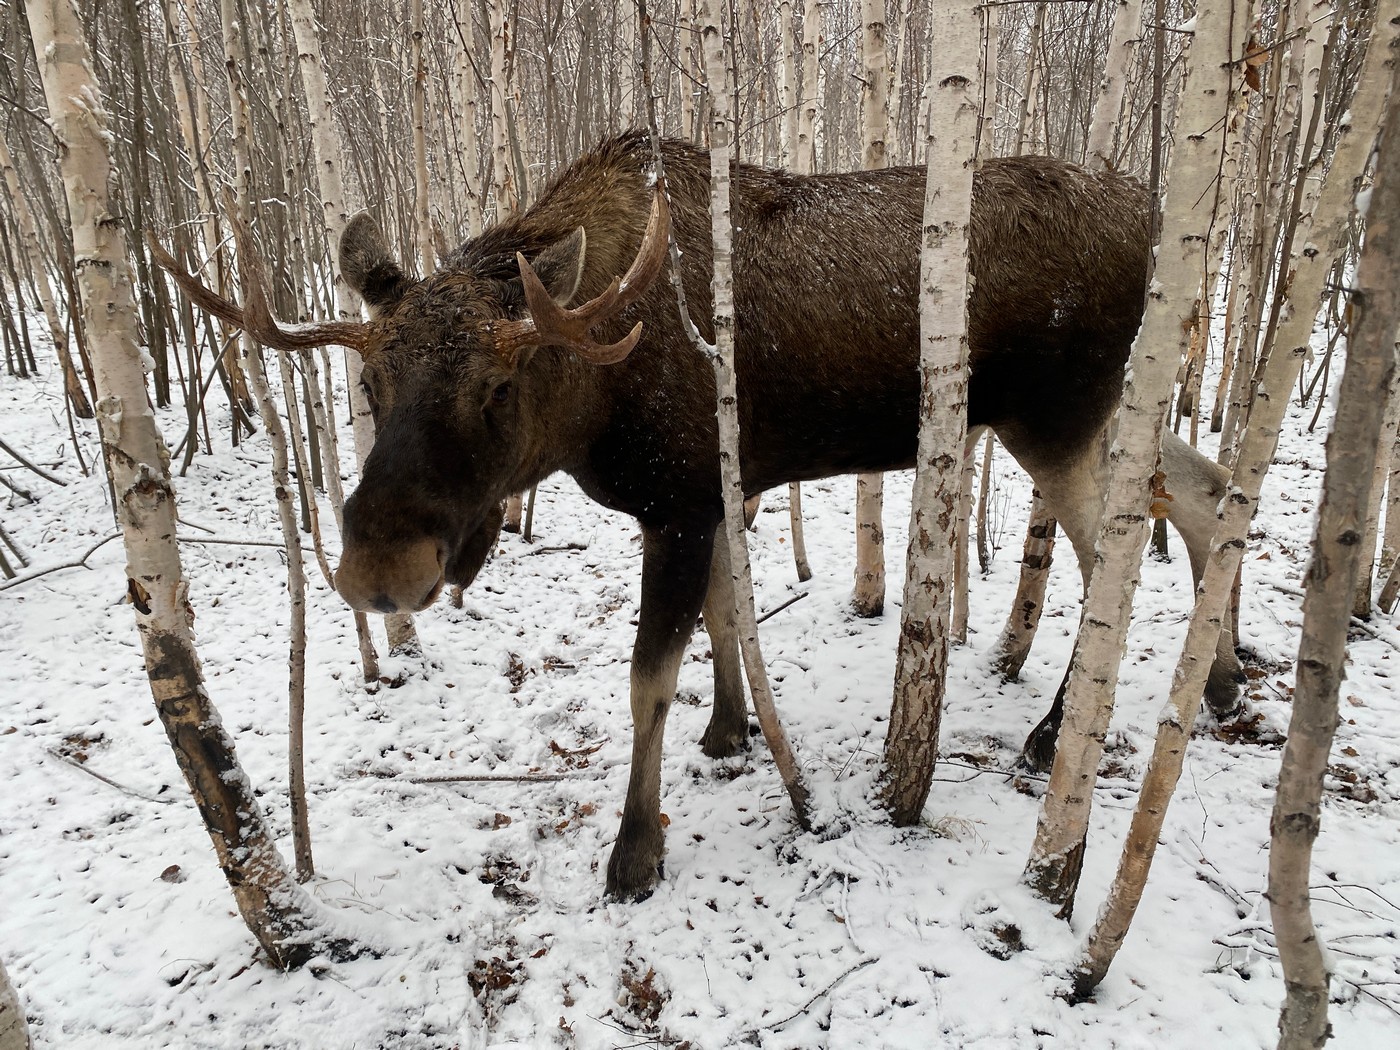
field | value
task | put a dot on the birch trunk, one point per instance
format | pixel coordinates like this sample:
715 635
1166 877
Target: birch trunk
1361 597
806 156
869 596
1193 201
275 909
1351 450
253 368
787 136
911 745
14 1029
787 88
334 215
503 184
1108 103
1323 230
422 224
1014 645
1390 541
466 114
29 236
722 358
1030 88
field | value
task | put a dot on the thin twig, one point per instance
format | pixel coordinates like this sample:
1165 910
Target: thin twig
808 1004
80 562
774 612
35 468
66 760
482 778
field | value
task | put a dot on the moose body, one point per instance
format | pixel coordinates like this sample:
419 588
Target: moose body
475 398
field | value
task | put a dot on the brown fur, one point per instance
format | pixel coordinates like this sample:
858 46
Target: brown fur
826 272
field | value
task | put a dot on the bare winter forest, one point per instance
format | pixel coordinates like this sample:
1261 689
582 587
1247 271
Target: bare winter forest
390 387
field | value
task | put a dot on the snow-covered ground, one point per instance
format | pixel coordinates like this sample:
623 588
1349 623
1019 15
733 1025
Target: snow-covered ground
485 899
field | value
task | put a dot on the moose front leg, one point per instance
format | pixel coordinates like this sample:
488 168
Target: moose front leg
675 577
728 731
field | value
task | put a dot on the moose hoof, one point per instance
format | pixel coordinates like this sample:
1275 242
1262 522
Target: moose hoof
725 742
634 873
1223 693
1038 755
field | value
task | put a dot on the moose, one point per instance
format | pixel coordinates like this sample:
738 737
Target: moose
484 378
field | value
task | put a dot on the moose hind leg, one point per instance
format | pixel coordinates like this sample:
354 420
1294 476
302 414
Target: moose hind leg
1197 485
728 731
675 576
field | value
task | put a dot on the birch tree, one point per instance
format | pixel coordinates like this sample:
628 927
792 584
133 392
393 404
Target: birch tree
334 216
869 596
1108 103
275 909
1193 200
911 744
29 237
1351 452
721 355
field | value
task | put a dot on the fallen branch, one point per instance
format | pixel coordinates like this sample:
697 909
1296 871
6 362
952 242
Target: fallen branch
34 467
66 760
555 550
791 601
26 577
480 778
808 1004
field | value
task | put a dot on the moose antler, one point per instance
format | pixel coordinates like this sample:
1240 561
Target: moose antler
550 324
253 316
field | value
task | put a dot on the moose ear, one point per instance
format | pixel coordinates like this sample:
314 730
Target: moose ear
367 266
560 266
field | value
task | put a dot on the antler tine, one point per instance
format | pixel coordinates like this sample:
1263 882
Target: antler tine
570 328
254 317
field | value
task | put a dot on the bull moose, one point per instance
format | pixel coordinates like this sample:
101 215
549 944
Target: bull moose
484 378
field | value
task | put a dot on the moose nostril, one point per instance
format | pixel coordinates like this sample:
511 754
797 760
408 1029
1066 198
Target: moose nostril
385 604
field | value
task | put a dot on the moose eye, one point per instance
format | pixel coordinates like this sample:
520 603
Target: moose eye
368 391
501 394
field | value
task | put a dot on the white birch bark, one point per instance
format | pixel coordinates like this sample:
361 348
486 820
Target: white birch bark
1193 200
627 81
335 213
787 87
805 160
1351 451
911 744
29 238
253 367
466 112
1030 88
868 598
1390 539
422 223
726 389
1361 597
1108 103
272 905
503 186
1014 645
14 1029
1323 231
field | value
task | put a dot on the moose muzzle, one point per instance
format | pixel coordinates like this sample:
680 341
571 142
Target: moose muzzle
388 579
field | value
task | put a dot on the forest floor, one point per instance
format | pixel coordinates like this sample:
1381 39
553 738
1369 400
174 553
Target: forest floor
484 900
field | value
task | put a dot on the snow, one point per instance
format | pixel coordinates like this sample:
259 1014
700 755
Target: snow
485 899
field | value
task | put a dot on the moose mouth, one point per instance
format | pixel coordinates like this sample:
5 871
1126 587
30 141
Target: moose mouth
408 575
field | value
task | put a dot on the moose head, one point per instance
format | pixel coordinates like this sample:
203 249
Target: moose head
446 365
